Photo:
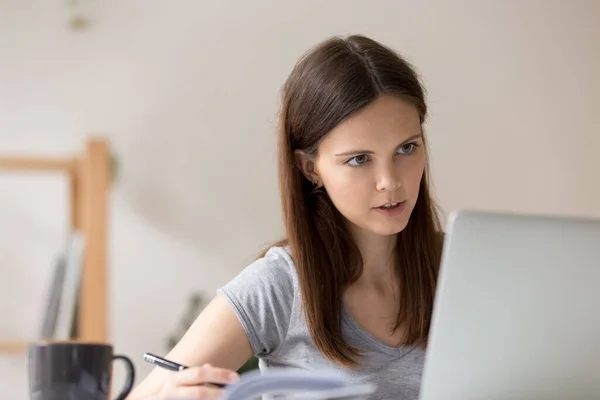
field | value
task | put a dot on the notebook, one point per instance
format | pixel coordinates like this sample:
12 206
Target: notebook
297 384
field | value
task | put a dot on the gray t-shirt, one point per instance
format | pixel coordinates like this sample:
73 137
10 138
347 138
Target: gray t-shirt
266 298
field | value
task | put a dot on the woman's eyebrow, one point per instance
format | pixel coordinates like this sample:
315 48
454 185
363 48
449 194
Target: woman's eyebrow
354 152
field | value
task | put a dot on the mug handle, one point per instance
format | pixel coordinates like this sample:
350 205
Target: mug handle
130 376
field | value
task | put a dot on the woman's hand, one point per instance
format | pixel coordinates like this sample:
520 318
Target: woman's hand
195 383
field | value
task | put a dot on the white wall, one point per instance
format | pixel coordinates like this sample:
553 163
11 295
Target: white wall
187 92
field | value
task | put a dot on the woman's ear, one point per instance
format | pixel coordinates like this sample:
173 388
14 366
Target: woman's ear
306 164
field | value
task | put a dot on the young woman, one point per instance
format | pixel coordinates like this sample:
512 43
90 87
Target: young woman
352 287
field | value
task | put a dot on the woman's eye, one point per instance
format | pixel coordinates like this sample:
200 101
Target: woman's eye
358 160
408 148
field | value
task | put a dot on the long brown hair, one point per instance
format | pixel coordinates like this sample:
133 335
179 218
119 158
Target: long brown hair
334 80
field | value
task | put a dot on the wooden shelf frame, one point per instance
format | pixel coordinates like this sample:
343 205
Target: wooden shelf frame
89 175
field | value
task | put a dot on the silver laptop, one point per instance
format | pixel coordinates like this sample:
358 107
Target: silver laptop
517 311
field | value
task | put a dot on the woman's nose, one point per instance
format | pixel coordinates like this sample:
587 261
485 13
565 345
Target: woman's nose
389 179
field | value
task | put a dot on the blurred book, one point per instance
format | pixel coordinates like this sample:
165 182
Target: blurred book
63 292
54 297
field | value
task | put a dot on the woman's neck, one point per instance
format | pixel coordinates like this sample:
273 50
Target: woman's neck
378 254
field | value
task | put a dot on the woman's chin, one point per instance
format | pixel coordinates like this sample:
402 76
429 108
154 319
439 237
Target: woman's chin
388 228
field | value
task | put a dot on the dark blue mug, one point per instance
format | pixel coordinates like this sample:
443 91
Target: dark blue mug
72 370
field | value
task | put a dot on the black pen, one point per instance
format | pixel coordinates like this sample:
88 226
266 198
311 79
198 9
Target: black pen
171 366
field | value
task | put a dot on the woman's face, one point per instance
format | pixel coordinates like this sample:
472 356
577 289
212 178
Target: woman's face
371 165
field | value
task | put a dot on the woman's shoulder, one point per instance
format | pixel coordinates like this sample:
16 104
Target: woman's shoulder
278 256
276 266
274 270
263 295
